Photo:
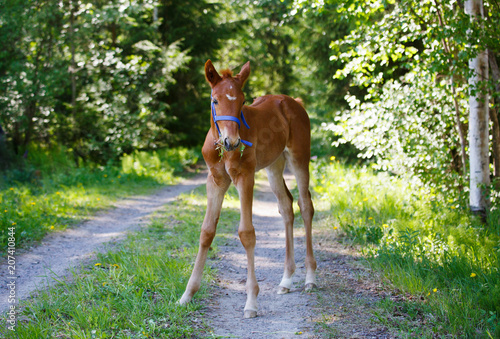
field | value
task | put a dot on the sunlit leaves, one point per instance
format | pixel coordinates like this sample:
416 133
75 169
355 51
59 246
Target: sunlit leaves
401 60
405 128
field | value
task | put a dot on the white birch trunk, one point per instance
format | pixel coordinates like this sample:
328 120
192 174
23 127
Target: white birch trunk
478 122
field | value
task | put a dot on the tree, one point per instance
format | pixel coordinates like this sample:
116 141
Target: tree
402 113
93 76
478 119
261 34
31 69
193 23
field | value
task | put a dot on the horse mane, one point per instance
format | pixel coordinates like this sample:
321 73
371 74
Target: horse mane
300 101
226 73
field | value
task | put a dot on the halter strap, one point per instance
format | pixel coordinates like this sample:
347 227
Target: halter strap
229 118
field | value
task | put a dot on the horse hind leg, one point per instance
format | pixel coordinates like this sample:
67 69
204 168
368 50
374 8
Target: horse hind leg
299 163
285 199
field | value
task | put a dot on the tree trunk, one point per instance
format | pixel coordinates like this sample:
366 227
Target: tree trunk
460 128
72 69
478 122
495 74
29 115
155 12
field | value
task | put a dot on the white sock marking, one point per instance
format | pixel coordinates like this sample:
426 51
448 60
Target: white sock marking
286 282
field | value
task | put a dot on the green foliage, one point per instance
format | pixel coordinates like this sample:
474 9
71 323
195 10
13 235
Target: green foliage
51 193
287 44
159 163
405 84
104 78
111 77
201 28
30 77
408 129
262 33
422 241
318 24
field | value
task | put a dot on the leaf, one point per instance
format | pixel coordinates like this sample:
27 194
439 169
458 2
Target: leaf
147 46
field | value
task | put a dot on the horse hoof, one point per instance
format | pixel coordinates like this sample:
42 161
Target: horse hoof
250 314
283 290
309 287
184 300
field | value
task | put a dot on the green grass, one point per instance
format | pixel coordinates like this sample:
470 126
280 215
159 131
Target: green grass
426 245
131 292
50 193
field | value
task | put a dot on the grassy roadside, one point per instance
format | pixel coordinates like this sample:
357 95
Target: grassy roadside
130 292
50 192
443 261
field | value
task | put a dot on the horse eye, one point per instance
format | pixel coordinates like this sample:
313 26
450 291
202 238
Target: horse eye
215 102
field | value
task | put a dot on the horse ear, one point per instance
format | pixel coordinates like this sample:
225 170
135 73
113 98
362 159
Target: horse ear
211 74
244 73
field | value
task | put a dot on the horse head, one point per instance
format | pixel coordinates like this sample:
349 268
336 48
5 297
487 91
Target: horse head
227 103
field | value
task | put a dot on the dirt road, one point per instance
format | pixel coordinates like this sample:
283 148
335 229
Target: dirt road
279 316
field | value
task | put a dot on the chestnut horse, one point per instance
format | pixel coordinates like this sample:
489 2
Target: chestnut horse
275 131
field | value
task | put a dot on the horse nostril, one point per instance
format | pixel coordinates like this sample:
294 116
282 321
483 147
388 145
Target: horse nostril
230 146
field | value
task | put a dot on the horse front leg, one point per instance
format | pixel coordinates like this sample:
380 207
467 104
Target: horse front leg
246 232
215 197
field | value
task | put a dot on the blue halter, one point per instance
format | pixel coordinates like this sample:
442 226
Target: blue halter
229 118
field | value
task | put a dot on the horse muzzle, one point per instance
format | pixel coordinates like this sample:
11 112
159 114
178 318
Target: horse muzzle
231 144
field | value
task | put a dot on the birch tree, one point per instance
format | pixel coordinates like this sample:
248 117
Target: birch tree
478 120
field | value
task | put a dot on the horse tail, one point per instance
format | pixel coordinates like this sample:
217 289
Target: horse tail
300 101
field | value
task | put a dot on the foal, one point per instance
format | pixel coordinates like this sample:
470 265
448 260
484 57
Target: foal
275 131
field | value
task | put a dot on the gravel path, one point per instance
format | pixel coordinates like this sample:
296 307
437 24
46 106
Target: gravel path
279 316
59 253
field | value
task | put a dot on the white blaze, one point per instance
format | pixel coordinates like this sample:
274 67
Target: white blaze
230 97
